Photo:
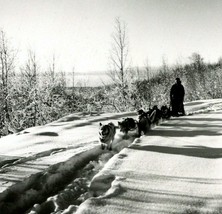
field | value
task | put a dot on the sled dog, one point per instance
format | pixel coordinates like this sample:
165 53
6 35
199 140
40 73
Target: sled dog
106 135
127 124
165 112
144 121
157 116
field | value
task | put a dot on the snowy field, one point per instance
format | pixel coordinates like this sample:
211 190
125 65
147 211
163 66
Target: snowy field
60 168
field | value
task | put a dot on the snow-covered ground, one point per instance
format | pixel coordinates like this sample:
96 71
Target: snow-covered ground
60 168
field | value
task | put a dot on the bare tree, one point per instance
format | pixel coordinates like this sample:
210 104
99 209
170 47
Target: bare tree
119 61
52 69
30 72
148 77
197 75
119 65
7 58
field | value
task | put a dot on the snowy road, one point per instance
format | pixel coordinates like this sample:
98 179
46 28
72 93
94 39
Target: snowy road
175 169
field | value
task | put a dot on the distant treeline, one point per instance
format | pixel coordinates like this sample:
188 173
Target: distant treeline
31 97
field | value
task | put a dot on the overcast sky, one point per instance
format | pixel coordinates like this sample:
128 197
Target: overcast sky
79 32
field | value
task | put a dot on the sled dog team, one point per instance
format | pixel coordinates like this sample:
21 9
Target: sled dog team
142 124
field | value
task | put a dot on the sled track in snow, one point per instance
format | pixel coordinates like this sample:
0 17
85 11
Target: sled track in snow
57 187
15 161
38 187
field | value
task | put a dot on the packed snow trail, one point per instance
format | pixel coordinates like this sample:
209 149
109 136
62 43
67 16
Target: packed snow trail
39 162
175 169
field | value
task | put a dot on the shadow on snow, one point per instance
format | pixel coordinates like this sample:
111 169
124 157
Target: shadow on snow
195 151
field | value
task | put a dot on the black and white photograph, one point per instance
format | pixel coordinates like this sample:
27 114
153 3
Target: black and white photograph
111 106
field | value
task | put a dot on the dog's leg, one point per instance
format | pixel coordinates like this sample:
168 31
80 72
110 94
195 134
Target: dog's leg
110 145
139 130
125 136
102 146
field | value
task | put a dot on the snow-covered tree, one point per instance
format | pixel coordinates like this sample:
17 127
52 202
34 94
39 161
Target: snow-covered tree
7 59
